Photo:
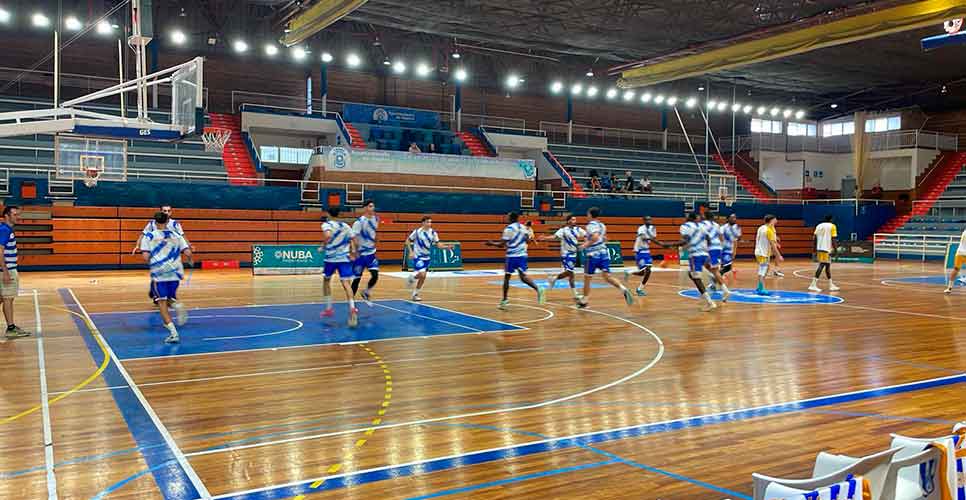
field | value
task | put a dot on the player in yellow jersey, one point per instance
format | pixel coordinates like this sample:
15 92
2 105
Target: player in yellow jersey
766 245
825 234
959 262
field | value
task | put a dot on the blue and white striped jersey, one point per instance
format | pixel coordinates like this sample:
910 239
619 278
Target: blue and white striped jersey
645 233
598 249
172 225
697 239
9 241
164 247
570 239
730 234
365 231
713 230
516 236
338 247
423 240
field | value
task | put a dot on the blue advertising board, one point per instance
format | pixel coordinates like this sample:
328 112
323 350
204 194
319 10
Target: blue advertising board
390 115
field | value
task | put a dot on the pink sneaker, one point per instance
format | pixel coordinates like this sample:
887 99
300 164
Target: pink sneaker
327 313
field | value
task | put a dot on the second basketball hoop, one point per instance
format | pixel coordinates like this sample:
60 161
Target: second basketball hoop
215 138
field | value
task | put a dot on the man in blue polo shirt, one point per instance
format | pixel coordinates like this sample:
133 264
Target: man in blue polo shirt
10 283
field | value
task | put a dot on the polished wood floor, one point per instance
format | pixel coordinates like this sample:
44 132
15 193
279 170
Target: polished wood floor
695 401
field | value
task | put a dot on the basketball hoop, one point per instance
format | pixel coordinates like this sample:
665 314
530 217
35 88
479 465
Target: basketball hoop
215 138
90 177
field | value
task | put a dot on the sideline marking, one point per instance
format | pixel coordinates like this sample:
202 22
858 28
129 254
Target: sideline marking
45 406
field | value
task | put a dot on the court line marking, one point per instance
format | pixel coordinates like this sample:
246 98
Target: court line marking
315 368
550 314
657 357
278 332
477 330
617 433
466 314
896 311
172 445
97 373
44 405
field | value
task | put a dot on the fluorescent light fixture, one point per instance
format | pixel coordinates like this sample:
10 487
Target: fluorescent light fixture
833 106
39 20
592 91
327 57
271 50
611 93
589 73
353 60
73 24
398 67
556 87
461 75
240 46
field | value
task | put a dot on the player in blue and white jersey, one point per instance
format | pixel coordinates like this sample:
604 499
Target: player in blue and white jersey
646 234
339 245
730 237
570 237
162 249
420 243
365 228
515 238
696 240
172 225
10 283
715 248
597 258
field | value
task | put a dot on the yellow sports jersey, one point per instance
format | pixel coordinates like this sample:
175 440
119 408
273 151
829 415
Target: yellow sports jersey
824 233
962 245
763 239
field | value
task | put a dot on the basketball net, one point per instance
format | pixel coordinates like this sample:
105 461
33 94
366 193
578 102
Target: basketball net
215 138
90 177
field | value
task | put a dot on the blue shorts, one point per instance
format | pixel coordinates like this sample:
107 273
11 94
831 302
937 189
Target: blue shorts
364 262
420 264
164 290
514 264
644 259
698 262
344 268
714 256
593 264
569 262
727 258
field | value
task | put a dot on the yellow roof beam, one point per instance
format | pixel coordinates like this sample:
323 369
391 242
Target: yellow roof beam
317 18
874 24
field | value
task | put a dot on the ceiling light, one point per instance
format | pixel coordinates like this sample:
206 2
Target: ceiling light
747 109
700 88
736 107
834 106
774 111
690 102
611 93
271 50
104 28
659 99
298 53
712 104
577 89
456 55
461 75
73 24
423 69
512 81
590 73
591 91
5 15
628 95
787 113
398 67
722 106
761 110
386 61
39 20
327 57
943 90
240 46
353 60
671 101
800 114
178 37
646 97
556 87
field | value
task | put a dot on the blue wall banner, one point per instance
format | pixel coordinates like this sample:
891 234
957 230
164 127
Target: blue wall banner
389 115
286 259
450 259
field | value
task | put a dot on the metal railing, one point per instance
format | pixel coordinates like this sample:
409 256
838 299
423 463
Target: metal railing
585 135
879 141
920 246
953 206
856 202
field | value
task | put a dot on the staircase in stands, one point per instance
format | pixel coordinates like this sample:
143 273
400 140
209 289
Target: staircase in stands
237 160
753 186
477 148
357 141
933 184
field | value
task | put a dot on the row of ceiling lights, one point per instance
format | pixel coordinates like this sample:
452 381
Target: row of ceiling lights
71 22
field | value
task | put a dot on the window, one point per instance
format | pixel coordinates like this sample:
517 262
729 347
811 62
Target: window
766 126
284 154
269 154
883 124
837 129
801 129
895 123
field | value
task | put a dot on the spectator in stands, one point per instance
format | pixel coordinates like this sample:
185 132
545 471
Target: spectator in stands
646 185
605 183
414 148
432 148
629 184
877 190
594 181
615 185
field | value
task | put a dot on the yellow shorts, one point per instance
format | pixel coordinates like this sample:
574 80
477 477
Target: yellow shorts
762 259
960 261
823 257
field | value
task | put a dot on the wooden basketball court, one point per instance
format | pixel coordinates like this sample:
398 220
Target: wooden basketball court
455 399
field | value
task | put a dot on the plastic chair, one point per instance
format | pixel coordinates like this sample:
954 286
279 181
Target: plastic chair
829 469
905 484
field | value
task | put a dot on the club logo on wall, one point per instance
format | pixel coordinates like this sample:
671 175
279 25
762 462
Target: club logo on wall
953 25
380 115
339 157
527 167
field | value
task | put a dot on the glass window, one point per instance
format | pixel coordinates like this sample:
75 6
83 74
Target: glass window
776 127
801 129
848 128
895 123
812 130
269 154
826 130
760 126
836 129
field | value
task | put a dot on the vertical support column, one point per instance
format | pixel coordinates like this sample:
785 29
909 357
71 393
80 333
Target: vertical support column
570 118
324 86
458 106
57 67
120 74
153 45
664 129
308 92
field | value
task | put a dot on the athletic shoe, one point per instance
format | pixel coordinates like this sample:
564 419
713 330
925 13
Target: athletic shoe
948 290
814 288
725 295
779 274
641 292
627 275
417 298
180 314
541 295
709 306
353 317
327 313
628 297
832 287
762 292
15 332
581 303
172 338
504 305
366 298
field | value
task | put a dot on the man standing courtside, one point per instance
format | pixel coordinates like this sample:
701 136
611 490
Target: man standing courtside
10 284
825 234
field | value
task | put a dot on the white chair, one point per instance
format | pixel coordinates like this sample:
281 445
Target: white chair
829 469
905 479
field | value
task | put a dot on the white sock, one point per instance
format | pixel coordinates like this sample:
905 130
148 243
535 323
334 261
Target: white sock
623 288
171 328
574 291
328 302
724 288
352 302
707 297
